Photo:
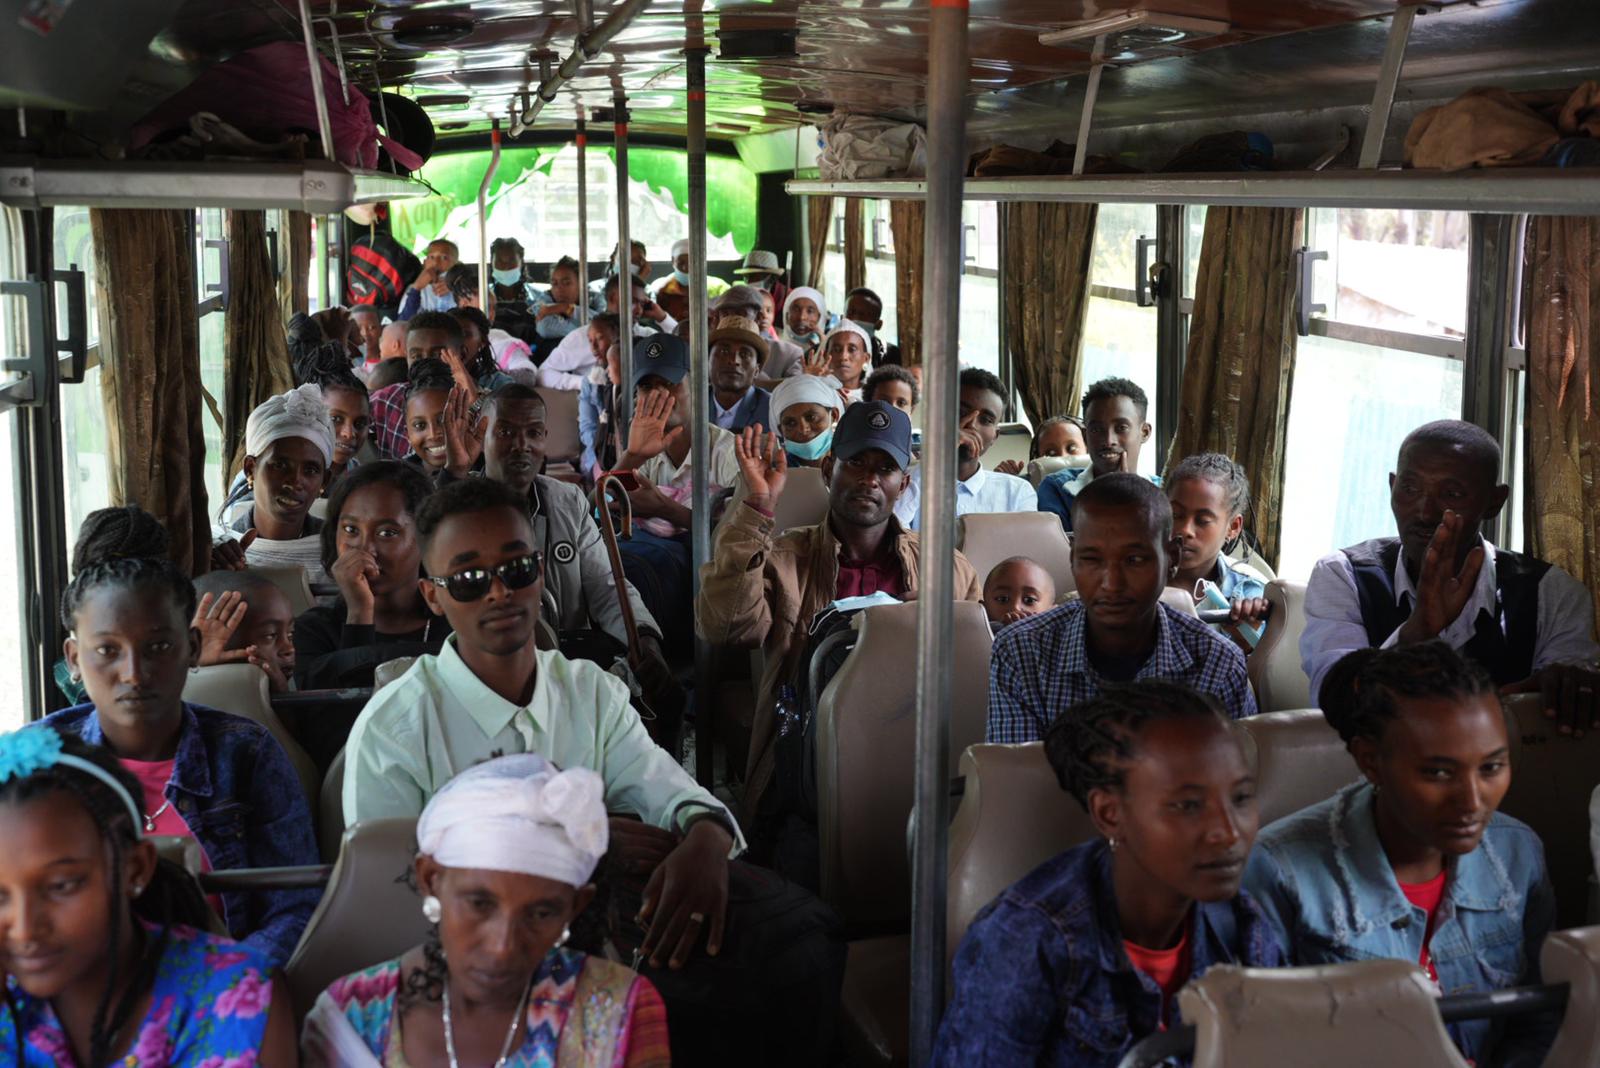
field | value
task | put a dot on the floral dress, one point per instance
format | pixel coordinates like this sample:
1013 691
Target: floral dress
583 1012
208 1009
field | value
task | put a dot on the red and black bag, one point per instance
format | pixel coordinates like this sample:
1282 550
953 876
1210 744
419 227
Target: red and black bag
380 269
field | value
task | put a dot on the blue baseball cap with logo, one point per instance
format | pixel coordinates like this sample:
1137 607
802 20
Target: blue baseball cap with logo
665 356
873 425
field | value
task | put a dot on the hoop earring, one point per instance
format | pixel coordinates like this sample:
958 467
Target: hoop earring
432 910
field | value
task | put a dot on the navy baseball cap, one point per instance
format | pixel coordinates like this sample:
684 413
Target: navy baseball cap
873 425
663 355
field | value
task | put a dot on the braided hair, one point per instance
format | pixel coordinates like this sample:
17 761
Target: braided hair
1054 420
1362 692
327 365
124 547
1222 471
428 373
1091 744
479 363
172 897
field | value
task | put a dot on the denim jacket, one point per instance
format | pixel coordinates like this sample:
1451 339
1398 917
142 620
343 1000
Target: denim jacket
237 791
1042 978
1324 883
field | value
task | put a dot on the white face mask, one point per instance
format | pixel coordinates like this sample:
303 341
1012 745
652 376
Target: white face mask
507 276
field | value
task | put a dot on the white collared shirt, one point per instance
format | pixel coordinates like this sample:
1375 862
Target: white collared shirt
1334 627
985 491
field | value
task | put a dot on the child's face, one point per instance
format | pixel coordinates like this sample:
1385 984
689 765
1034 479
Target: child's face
1062 439
1201 523
425 426
764 317
564 286
1017 589
269 626
803 315
894 392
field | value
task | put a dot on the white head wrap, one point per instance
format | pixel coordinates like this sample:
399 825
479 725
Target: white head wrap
680 247
299 413
806 293
519 814
848 326
805 389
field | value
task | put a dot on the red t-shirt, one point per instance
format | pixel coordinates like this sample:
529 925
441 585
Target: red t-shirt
1168 968
1426 896
153 776
874 576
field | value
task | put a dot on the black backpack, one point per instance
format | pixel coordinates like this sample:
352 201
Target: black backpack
380 269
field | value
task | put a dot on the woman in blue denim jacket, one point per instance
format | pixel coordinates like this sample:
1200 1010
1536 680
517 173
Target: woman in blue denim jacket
218 778
1083 957
1414 863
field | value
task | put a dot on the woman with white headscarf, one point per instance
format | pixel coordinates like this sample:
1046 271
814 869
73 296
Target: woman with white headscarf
805 317
804 411
506 851
288 445
848 349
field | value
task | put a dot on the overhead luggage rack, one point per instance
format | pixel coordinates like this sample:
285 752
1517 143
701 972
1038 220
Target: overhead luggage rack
1534 191
316 186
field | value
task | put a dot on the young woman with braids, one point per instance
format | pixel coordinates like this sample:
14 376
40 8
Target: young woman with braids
1083 957
100 958
506 852
217 778
1413 862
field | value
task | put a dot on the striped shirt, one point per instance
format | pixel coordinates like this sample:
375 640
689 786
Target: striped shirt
1040 667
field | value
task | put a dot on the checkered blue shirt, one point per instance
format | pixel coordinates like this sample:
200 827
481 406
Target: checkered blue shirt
1039 668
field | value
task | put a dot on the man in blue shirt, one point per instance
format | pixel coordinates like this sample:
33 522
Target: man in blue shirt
1114 414
1123 554
983 407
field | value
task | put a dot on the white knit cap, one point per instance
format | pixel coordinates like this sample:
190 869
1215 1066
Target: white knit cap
805 389
519 814
299 413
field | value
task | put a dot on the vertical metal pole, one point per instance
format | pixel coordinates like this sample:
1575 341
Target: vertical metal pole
583 219
699 404
1008 369
319 226
1091 93
1169 327
941 318
1394 56
314 69
625 276
483 216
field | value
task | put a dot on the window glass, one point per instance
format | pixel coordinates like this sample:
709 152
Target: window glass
979 321
1515 451
833 291
1119 340
1194 218
87 479
1117 227
210 224
1395 269
13 697
1351 407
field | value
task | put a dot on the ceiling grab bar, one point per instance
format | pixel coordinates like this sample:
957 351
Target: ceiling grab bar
314 68
587 46
483 217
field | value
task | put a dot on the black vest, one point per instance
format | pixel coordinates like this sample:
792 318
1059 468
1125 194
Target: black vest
1503 643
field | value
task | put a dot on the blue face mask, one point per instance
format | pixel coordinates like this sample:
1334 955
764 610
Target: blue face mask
509 277
682 277
815 449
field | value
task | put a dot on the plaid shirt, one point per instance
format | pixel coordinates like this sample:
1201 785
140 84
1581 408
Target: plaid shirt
1039 668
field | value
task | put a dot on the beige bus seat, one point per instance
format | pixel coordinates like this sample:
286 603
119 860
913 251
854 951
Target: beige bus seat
1179 600
1012 442
866 738
1013 817
242 690
1380 1013
561 420
1573 957
1243 554
987 539
330 809
389 670
369 913
294 584
803 502
319 508
1045 466
1274 665
1553 777
1299 761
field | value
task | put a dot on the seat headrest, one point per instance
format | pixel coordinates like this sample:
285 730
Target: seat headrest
985 539
1041 468
1573 957
1299 760
1274 665
242 690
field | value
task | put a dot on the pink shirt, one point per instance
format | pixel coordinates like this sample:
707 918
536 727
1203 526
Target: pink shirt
153 776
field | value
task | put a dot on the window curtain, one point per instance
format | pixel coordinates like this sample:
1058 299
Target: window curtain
1562 299
257 359
906 223
1240 360
819 215
294 258
150 373
1048 248
855 247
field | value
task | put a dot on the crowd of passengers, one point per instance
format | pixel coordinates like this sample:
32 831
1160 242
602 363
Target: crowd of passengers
588 902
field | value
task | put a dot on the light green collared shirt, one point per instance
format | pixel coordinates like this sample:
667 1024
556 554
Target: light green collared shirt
438 719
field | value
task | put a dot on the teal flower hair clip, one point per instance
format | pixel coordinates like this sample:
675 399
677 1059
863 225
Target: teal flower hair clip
29 750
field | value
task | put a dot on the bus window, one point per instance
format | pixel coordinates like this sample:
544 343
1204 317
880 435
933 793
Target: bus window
833 287
211 224
1384 358
980 286
880 264
1119 337
13 712
87 479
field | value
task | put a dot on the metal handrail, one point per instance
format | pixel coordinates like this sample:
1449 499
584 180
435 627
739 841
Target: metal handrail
585 48
302 877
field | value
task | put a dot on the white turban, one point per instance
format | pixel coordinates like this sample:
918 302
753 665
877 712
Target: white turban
806 293
849 326
805 389
519 814
680 247
299 413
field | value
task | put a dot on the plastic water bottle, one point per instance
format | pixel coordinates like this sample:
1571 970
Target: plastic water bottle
1210 595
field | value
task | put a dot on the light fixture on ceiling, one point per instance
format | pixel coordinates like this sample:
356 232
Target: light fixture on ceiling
1135 35
444 100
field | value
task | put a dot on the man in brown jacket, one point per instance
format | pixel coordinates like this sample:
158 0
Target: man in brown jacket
761 590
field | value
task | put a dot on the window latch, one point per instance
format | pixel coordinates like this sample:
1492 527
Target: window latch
967 257
29 388
1147 282
221 287
75 345
1305 262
